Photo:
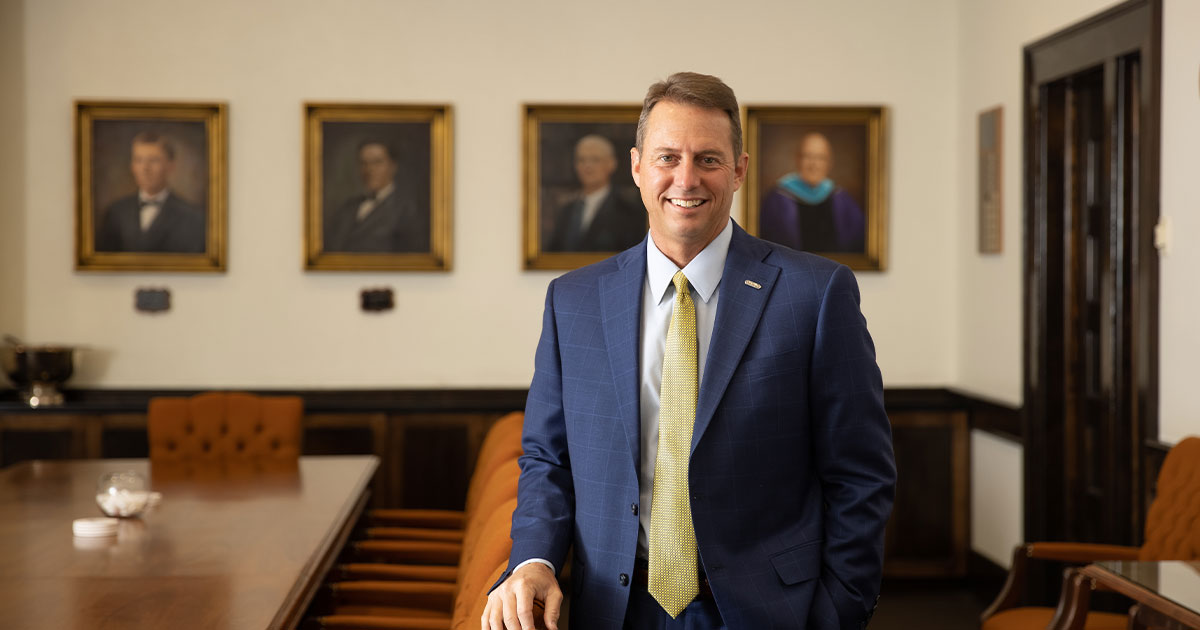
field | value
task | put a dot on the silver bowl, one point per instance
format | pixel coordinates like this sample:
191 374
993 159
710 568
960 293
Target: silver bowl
38 371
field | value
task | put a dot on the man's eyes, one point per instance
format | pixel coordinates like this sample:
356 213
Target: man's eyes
707 160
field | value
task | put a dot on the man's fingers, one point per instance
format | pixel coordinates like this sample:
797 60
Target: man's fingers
511 621
524 594
553 604
495 612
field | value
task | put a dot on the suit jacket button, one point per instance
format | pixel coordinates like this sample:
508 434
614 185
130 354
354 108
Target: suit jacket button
624 579
633 508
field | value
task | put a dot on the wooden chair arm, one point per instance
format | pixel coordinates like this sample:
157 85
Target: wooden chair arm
374 622
436 597
409 551
1081 553
398 572
415 533
403 517
1078 553
1014 585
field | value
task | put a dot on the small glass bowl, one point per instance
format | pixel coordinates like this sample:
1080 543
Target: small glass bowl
122 494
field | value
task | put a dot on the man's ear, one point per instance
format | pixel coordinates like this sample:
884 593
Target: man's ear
739 170
635 166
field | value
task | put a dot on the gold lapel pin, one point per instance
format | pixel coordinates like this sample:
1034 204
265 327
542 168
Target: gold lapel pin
751 283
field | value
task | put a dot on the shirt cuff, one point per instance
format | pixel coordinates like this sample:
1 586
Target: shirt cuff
539 561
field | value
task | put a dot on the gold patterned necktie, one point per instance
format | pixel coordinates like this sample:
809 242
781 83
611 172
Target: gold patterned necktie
673 568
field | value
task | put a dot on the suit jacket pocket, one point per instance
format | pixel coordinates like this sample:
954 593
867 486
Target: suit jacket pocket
799 563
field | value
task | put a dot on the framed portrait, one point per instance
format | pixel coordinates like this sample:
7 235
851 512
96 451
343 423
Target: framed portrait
581 204
817 181
991 176
377 187
150 186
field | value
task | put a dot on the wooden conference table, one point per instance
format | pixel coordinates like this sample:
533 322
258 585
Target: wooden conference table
242 547
1167 593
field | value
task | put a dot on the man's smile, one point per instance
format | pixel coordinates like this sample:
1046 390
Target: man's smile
688 203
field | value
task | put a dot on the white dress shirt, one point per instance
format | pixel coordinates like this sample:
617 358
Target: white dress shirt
372 201
591 205
150 207
658 303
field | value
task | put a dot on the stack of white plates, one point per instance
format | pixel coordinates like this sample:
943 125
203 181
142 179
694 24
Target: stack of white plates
95 527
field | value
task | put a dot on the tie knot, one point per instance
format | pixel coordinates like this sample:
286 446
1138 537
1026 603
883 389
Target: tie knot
680 281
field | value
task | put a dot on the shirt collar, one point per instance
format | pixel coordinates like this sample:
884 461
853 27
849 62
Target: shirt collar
383 193
159 199
703 273
596 197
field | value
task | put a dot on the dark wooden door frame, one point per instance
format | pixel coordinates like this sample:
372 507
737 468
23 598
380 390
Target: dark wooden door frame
1103 40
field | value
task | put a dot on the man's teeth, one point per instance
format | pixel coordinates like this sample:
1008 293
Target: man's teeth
687 203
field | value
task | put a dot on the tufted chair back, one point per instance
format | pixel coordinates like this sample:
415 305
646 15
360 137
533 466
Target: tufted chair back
1173 524
224 426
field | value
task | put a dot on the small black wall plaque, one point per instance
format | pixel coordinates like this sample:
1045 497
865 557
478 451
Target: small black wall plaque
152 300
377 300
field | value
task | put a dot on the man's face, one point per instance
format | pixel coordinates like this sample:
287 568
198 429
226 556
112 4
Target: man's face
594 164
378 169
151 167
687 173
814 159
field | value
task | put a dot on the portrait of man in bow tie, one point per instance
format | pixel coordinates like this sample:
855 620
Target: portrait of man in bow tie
379 183
380 218
154 218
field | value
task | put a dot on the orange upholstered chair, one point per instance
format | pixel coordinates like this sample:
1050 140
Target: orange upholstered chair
1172 533
224 426
502 443
368 603
412 559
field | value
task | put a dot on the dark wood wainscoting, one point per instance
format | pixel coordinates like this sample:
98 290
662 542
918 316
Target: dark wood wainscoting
427 441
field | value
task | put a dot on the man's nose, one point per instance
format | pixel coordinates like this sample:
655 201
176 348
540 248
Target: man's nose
686 176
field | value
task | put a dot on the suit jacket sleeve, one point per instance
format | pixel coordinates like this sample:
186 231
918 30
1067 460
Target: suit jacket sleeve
853 451
543 523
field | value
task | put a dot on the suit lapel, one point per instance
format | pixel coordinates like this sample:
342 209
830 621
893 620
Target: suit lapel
621 312
738 311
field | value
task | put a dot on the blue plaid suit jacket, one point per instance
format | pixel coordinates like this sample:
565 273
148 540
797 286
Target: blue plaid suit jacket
791 472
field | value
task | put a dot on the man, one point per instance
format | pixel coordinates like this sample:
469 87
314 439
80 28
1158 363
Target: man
599 220
379 221
807 211
705 427
154 219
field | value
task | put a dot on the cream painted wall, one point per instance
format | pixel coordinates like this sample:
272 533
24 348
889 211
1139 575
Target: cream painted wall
1179 347
992 35
997 497
12 166
266 323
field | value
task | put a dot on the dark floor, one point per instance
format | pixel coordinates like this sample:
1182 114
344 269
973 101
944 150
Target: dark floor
930 605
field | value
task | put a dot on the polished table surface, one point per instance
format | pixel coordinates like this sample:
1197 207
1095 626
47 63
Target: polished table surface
241 547
1170 588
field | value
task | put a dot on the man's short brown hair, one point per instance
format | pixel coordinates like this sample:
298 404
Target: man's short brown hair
700 90
150 137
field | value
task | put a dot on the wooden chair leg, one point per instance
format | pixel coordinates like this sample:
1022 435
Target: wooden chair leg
1135 611
1073 601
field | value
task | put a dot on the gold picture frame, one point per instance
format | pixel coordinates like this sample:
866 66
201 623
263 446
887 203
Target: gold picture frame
580 203
378 180
831 158
150 186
